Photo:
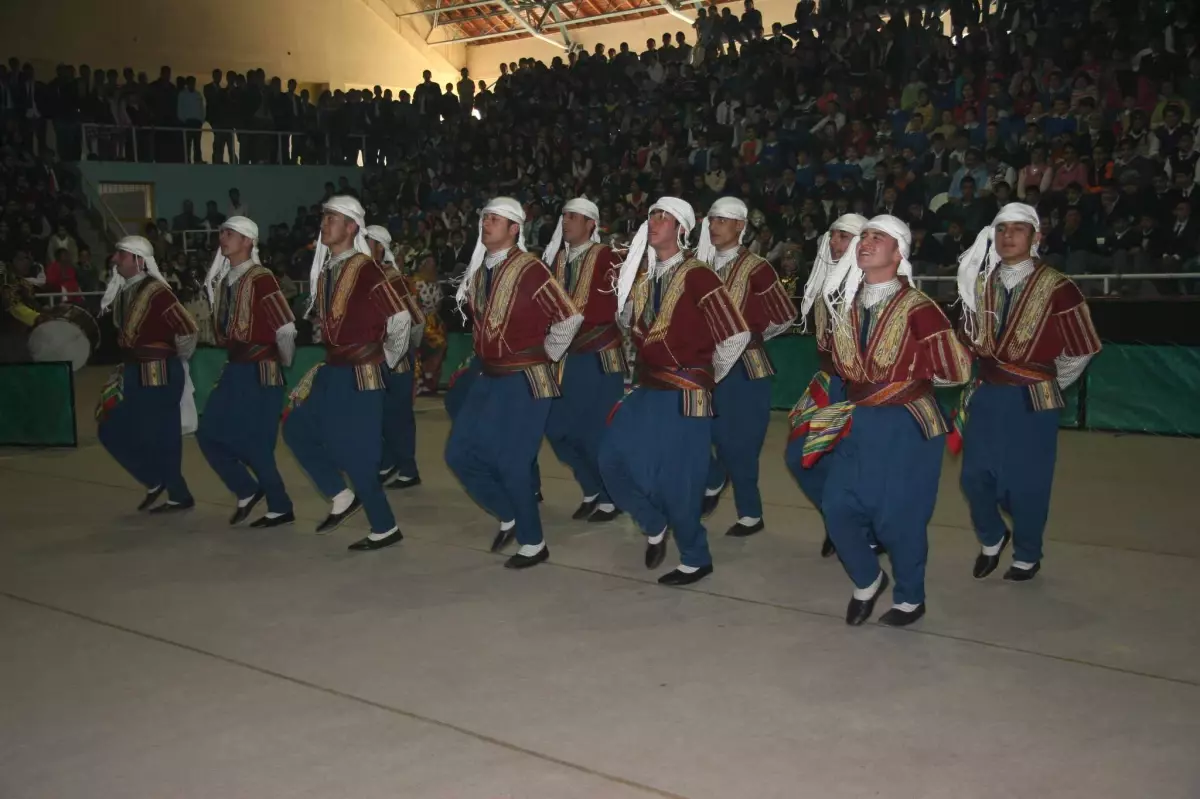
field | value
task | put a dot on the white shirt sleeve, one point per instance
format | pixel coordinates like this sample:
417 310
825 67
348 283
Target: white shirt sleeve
285 340
560 336
727 352
185 346
395 342
1070 367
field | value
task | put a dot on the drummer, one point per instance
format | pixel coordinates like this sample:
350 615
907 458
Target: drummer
139 417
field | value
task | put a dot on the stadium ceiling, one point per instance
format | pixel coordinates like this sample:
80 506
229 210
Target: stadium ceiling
491 21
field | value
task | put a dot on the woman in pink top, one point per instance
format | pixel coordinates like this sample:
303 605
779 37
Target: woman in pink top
1070 170
1036 173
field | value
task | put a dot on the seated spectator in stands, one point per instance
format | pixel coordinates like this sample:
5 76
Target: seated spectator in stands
971 168
1071 248
1183 189
998 172
972 212
62 240
1180 247
86 272
60 277
1069 170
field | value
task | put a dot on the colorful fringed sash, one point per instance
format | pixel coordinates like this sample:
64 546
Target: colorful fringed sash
829 425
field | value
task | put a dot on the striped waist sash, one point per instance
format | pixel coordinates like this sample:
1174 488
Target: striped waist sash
597 339
543 376
370 353
1038 378
242 352
1015 374
828 425
145 353
695 385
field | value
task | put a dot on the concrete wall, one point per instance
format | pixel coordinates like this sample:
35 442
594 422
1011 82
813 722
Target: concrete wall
338 42
272 192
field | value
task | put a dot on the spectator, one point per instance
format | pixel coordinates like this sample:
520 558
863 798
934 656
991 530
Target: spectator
190 110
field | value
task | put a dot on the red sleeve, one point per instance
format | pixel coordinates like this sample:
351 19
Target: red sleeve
723 318
54 277
1074 321
269 301
383 295
173 315
549 296
775 307
949 358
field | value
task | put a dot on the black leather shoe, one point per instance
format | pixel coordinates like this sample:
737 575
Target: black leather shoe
902 618
827 548
279 521
334 520
859 610
388 475
878 548
174 507
1015 575
986 564
539 496
398 484
367 544
710 503
677 577
519 561
740 530
504 538
151 497
584 510
241 514
598 516
655 553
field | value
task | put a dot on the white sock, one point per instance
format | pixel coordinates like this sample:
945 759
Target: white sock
907 607
381 536
152 490
506 526
657 539
712 492
993 550
749 521
862 594
343 501
403 479
529 550
273 515
606 507
384 471
686 569
1022 565
244 502
592 498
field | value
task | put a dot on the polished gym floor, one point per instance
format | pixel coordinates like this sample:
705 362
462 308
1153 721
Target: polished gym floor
150 657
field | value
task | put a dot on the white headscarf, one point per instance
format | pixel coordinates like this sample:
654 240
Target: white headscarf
683 214
382 235
824 264
142 248
506 207
221 265
840 296
723 208
351 209
982 256
580 205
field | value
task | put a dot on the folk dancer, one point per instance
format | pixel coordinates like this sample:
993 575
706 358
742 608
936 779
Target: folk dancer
139 414
689 334
398 470
592 375
826 386
240 425
742 401
891 343
334 418
523 325
1030 328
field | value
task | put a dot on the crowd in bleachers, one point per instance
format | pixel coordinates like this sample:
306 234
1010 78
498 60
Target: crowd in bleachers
1082 109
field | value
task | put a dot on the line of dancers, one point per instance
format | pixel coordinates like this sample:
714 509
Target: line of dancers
866 441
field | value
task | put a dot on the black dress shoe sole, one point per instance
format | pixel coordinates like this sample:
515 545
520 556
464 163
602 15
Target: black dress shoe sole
173 508
986 564
503 539
584 510
677 578
522 562
828 550
370 545
859 610
400 485
385 476
742 531
709 506
602 516
279 521
1015 575
332 522
241 514
150 498
656 553
900 618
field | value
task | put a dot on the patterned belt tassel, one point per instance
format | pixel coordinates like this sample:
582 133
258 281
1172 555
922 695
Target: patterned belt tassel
958 419
111 395
299 394
815 397
828 426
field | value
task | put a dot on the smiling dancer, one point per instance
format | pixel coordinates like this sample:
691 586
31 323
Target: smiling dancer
1031 330
891 343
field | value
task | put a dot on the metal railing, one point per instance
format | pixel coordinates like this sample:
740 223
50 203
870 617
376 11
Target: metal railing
1105 279
176 144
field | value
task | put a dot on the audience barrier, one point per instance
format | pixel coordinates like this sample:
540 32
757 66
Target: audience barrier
1131 388
37 405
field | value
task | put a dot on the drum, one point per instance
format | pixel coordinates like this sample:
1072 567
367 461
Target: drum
66 333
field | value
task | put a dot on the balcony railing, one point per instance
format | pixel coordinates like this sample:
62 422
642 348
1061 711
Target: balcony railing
174 144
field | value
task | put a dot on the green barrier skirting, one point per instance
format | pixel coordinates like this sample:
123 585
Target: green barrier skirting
37 405
1127 387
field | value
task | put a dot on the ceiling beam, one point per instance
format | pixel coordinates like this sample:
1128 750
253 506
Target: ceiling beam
569 23
673 9
524 23
562 30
